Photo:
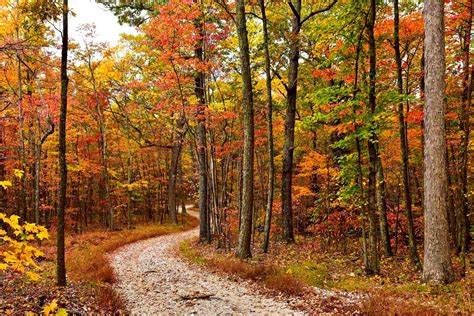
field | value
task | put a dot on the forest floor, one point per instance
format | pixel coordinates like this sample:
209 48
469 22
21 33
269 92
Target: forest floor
153 278
90 275
330 281
162 268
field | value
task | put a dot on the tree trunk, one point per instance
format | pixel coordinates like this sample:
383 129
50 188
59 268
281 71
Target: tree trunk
245 233
437 259
22 202
465 129
3 195
288 147
382 207
105 172
38 171
23 207
271 165
129 178
175 153
199 90
372 257
61 264
404 145
38 159
360 177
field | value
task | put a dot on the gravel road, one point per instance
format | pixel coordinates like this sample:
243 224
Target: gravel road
152 279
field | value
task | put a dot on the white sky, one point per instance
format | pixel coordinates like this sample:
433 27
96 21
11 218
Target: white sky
88 11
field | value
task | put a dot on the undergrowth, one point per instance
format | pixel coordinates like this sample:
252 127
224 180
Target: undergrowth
273 278
292 271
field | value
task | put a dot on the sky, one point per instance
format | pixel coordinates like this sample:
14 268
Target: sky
107 27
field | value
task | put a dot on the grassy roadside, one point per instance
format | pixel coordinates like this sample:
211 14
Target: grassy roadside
292 270
90 275
272 277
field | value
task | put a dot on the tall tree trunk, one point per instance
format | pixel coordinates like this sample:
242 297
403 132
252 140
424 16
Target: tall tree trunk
23 206
245 232
3 195
360 177
173 172
38 166
288 147
372 258
61 264
437 259
129 177
22 203
465 129
105 168
415 259
199 90
271 164
39 147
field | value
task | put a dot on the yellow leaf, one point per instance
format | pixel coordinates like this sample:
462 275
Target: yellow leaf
61 312
33 276
5 184
50 308
43 234
19 173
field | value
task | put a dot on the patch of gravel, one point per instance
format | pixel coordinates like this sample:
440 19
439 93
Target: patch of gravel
153 279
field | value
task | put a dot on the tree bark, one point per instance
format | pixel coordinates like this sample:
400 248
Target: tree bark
288 147
372 256
23 209
245 233
39 147
437 259
415 259
382 207
202 144
3 195
271 164
105 160
465 129
172 177
129 177
61 264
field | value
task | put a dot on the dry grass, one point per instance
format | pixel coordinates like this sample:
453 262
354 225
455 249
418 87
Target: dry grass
108 299
272 277
386 304
292 269
285 283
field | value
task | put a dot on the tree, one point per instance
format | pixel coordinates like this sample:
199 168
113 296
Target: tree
204 224
437 258
404 143
291 95
271 163
60 260
372 256
245 233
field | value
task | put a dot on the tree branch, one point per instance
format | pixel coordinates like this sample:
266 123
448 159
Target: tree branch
327 8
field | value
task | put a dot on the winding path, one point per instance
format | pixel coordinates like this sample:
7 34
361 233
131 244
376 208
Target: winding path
153 279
